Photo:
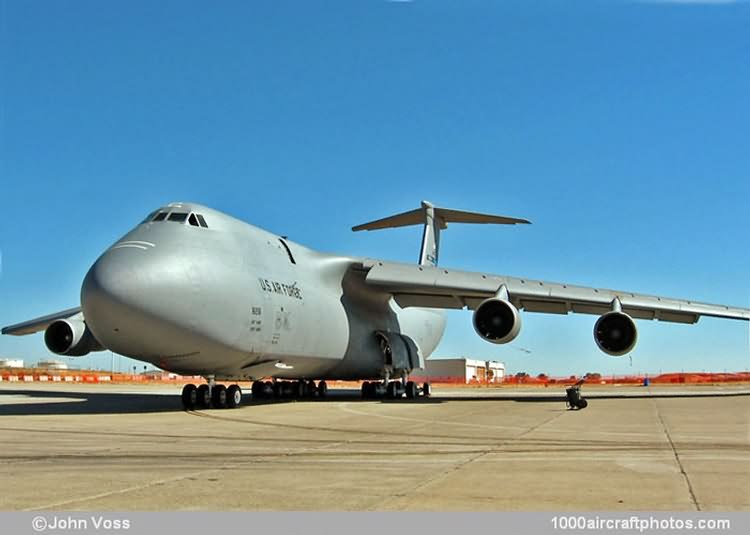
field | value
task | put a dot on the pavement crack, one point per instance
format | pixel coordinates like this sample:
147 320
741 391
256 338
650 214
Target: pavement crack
684 473
458 466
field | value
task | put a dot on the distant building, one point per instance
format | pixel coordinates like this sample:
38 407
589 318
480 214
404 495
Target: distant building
462 370
52 365
11 363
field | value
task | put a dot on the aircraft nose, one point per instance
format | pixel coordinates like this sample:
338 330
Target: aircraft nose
111 289
124 297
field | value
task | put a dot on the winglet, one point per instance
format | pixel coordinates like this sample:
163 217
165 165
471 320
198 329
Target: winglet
435 219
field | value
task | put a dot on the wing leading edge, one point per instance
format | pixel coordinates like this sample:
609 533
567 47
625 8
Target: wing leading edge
435 287
39 324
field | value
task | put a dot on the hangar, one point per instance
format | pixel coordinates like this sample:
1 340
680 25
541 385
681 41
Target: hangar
460 370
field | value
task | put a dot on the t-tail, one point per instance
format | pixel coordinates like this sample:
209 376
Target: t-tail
434 220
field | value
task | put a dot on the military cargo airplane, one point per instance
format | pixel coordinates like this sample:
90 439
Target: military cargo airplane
197 292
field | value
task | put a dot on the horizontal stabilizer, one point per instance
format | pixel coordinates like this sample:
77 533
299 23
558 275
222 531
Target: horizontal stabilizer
443 217
434 220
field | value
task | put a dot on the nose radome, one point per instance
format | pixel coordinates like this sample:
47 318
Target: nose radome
110 291
111 281
134 302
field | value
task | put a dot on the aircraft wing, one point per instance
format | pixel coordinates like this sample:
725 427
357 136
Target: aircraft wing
436 287
39 324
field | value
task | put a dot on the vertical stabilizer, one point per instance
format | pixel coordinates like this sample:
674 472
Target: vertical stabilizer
428 254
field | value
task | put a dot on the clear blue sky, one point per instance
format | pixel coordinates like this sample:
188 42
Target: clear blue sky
621 129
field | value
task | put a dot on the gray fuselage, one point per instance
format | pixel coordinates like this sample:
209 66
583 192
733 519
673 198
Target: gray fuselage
233 301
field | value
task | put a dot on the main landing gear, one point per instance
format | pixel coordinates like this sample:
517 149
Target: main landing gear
211 395
301 389
394 390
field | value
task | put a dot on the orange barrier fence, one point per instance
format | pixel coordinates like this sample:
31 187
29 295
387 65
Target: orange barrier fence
662 379
13 375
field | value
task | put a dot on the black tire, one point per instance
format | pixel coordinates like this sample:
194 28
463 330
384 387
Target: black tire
322 389
411 390
278 389
203 397
300 389
427 390
311 389
394 392
219 397
582 403
366 390
288 389
257 390
234 396
189 396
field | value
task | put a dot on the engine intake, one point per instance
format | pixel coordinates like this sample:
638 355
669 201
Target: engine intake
70 337
497 321
615 333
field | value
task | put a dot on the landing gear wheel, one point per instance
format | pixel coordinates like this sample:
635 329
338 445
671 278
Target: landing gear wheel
369 390
234 396
582 404
300 389
411 390
288 389
219 397
257 389
203 397
322 389
427 390
311 389
394 390
189 396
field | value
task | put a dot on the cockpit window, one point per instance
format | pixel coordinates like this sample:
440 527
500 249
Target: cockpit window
149 216
178 217
193 219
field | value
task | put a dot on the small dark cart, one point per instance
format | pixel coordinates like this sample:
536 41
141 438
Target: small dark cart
574 400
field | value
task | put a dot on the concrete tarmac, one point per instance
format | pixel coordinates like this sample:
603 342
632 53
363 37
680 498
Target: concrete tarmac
124 448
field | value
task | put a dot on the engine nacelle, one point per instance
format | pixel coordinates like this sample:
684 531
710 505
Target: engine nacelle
615 333
70 337
497 321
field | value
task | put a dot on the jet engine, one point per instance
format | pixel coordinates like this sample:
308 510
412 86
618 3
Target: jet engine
497 321
70 337
615 333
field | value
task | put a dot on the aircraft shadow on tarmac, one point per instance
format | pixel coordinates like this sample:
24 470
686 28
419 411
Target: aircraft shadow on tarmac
56 402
